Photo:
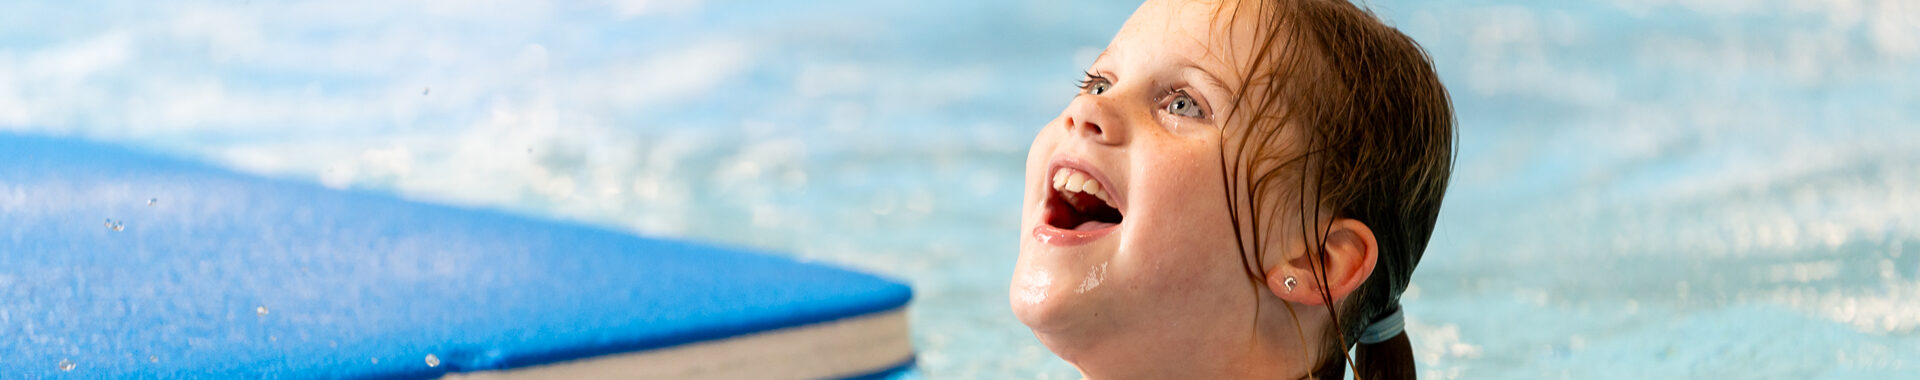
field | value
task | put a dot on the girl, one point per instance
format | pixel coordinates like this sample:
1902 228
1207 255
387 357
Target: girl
1240 190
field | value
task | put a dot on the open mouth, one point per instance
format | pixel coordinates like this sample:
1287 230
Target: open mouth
1079 202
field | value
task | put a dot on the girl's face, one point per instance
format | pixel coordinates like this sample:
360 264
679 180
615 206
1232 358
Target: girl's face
1126 243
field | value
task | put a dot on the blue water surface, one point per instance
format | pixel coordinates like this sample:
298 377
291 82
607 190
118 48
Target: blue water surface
1659 188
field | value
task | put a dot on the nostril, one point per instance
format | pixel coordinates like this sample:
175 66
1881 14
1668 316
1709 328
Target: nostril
1090 127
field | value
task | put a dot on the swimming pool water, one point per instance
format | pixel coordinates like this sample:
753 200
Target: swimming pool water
1670 189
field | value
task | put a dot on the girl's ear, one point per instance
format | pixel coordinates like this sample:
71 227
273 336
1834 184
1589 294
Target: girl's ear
1350 253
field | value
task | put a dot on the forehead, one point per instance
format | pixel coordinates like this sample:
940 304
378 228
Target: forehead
1217 36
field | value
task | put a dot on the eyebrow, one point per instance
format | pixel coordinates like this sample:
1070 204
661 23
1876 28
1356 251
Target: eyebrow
1209 79
1206 77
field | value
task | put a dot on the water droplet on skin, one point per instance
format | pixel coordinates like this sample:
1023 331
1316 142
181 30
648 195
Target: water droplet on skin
433 361
262 310
66 365
1095 276
1036 289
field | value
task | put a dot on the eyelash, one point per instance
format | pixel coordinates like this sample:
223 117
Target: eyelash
1086 85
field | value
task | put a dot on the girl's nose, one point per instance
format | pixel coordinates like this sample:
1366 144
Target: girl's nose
1091 117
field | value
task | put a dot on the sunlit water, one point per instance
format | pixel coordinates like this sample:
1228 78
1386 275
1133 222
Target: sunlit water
1722 189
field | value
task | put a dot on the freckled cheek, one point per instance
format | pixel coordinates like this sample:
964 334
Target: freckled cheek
1182 279
1184 243
1184 272
1184 186
1187 255
1043 143
1037 156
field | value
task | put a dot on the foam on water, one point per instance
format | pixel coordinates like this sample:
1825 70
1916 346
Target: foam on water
1643 188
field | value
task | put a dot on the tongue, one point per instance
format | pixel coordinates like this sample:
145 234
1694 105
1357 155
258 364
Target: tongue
1092 225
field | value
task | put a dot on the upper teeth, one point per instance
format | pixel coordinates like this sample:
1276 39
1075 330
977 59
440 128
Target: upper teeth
1069 180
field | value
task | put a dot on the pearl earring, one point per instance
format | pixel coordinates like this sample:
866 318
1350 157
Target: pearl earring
1290 282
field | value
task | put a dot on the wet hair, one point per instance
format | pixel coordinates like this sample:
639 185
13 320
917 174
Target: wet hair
1346 115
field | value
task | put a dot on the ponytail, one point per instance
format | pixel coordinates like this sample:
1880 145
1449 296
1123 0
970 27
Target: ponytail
1384 352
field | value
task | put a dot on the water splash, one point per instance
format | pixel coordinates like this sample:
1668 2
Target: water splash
433 361
260 310
153 358
151 201
67 365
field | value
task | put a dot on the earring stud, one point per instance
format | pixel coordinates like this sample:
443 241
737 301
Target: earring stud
1290 282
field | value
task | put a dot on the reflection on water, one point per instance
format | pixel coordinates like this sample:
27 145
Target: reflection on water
1644 187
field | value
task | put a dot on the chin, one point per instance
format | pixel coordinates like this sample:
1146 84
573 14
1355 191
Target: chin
1045 300
1039 295
1059 325
1053 292
1035 300
1035 316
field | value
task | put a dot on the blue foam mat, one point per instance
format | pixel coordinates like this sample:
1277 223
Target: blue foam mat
118 263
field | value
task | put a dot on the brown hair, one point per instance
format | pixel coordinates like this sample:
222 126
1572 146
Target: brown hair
1375 138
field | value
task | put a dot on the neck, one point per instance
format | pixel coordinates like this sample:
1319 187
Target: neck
1173 361
1273 349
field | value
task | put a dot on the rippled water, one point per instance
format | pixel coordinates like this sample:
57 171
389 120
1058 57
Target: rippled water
1645 187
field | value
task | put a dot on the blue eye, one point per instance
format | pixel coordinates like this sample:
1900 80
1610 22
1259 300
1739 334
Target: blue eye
1183 105
1095 84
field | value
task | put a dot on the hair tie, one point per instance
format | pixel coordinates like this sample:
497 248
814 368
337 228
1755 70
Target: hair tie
1385 328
